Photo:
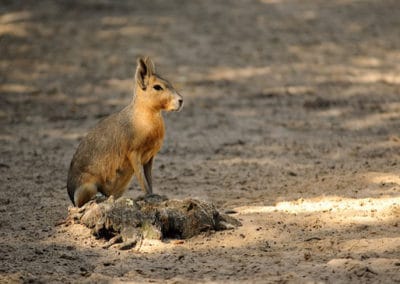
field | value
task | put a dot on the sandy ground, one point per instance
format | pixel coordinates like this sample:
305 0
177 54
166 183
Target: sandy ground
291 118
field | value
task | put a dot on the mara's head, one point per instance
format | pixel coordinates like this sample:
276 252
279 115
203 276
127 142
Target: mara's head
154 91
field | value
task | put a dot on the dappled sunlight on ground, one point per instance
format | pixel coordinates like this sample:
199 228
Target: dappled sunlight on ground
122 31
384 178
347 206
15 24
371 120
238 74
291 118
17 89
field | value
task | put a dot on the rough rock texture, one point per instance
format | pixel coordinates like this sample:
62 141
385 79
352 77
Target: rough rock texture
127 221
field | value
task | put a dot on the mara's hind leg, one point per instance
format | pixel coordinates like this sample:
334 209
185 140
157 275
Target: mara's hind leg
84 193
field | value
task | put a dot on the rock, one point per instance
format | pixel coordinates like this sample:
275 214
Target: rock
128 221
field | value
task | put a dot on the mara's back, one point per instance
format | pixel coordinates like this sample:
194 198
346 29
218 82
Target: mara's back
102 154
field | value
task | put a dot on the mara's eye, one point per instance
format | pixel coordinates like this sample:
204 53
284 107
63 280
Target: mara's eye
157 87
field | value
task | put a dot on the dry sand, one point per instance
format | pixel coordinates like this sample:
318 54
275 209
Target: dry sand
291 118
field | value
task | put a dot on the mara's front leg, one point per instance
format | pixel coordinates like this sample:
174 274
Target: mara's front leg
139 173
147 168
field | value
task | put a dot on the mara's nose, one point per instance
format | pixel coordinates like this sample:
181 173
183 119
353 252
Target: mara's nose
180 102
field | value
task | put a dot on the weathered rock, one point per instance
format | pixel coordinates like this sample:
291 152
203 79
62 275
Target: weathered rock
151 217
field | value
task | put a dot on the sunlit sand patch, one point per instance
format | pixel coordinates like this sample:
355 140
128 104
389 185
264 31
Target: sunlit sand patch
367 61
373 77
15 17
327 204
231 73
379 245
372 120
16 30
332 112
361 267
17 88
123 31
380 178
238 161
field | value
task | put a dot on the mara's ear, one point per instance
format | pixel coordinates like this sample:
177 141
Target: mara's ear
144 69
150 66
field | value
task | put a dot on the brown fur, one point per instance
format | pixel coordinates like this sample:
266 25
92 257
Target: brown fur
125 143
